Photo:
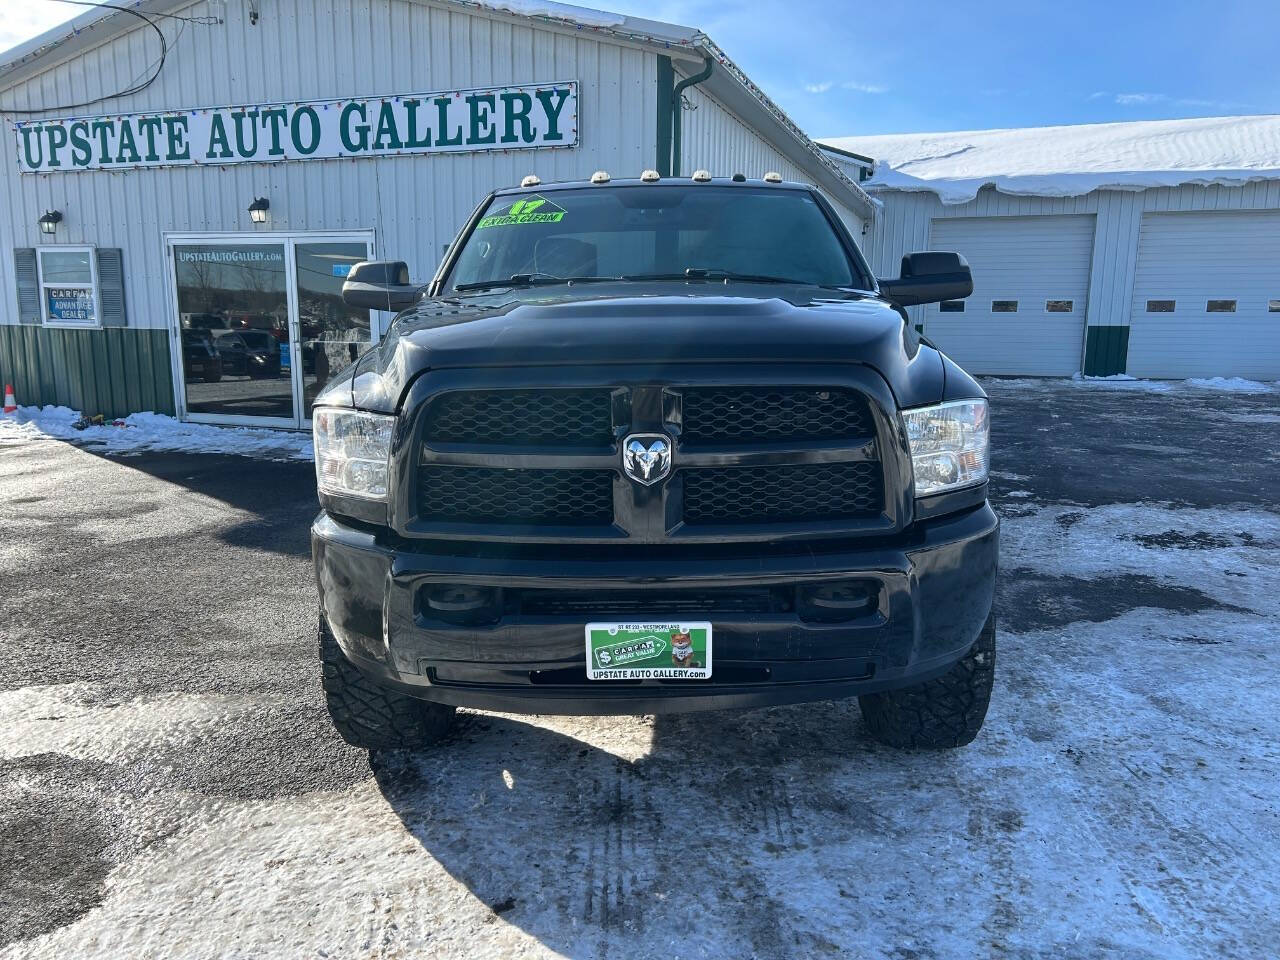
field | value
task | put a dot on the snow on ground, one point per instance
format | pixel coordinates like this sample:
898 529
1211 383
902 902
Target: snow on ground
70 719
1121 801
1074 160
146 432
1124 382
1231 384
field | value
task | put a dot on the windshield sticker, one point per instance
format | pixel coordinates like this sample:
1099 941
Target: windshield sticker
531 210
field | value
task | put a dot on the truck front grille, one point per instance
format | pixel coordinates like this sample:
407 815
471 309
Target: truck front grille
581 418
515 497
748 461
791 493
728 415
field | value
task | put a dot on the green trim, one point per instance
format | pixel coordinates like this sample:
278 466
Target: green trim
1106 351
114 371
677 110
666 87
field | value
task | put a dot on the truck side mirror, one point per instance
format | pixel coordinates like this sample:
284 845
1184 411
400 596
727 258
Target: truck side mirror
380 285
929 277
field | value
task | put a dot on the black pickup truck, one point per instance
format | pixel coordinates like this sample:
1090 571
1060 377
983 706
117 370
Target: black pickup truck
646 446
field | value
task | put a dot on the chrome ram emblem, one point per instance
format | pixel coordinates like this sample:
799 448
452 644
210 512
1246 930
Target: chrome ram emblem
646 457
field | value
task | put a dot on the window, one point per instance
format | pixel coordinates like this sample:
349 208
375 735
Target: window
1221 306
1004 306
951 306
68 286
1059 306
1160 306
1273 306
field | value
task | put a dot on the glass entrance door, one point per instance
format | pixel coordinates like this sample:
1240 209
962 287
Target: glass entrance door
261 326
233 324
332 334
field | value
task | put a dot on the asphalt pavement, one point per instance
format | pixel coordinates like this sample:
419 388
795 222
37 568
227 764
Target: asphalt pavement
170 785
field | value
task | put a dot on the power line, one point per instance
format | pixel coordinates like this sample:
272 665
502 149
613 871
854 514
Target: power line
137 86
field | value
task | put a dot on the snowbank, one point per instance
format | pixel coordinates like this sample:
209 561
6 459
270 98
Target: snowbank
1232 384
150 432
1068 161
1122 381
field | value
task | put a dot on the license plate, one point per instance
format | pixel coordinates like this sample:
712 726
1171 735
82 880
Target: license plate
649 651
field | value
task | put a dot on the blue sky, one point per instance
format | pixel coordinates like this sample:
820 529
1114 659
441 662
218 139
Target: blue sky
856 68
887 67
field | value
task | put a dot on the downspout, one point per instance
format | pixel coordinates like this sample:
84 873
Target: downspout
676 101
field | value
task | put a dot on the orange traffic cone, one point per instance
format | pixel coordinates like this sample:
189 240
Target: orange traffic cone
10 404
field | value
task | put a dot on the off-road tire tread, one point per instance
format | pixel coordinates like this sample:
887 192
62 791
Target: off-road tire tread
370 716
941 713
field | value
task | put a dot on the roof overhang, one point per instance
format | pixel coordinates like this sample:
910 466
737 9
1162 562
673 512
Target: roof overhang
728 84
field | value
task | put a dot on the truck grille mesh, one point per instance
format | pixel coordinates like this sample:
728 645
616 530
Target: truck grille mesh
782 494
517 497
729 415
523 417
497 459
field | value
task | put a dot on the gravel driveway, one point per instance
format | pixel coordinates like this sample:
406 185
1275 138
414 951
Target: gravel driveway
170 786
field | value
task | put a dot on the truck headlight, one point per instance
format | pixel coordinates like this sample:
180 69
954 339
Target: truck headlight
352 450
950 445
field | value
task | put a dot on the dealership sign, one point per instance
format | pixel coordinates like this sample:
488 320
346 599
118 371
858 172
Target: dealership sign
448 121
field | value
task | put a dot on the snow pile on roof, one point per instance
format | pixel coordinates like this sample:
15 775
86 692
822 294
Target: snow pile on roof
1069 161
150 432
556 11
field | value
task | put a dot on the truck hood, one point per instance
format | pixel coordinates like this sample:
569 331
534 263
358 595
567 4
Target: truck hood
669 326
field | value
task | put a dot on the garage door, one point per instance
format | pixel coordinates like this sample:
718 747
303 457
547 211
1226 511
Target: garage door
1030 280
1206 298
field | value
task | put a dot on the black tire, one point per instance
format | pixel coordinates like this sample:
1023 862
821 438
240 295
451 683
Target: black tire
370 716
944 712
213 377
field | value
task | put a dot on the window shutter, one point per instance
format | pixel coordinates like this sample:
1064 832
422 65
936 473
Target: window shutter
24 270
111 286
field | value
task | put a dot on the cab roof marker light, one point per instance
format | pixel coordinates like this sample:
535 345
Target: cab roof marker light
600 176
530 181
701 176
650 176
739 178
773 176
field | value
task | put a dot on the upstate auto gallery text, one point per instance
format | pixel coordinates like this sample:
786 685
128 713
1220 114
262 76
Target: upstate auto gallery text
542 115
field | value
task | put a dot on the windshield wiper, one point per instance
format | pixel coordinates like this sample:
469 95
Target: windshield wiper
697 273
530 280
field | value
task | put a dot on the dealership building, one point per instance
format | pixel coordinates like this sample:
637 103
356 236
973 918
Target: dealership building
186 185
1148 248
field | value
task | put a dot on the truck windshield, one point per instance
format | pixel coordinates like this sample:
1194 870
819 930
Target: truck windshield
654 232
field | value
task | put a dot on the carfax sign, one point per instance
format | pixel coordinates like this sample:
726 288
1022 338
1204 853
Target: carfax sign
70 304
447 121
649 651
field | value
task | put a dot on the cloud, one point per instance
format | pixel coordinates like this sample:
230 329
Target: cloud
1126 99
864 87
20 24
854 85
1144 99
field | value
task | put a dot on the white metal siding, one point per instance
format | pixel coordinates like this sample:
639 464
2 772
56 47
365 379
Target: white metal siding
1029 260
300 51
904 225
1191 258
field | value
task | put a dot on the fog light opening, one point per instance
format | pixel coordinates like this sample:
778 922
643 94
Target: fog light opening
463 604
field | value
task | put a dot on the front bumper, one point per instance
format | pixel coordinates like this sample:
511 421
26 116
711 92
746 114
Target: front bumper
933 590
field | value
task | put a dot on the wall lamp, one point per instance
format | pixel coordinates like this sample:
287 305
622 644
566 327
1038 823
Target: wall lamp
258 210
49 222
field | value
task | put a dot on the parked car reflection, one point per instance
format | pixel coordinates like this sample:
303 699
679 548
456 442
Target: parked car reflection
259 353
200 358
